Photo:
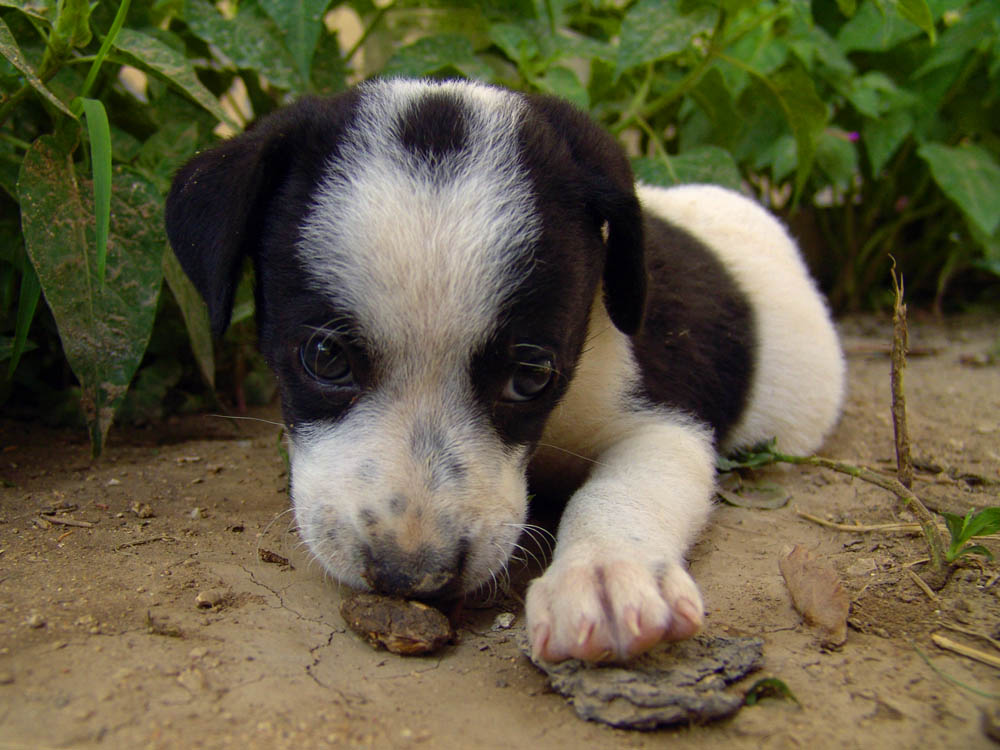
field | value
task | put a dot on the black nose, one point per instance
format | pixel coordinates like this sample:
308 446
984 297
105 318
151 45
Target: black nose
424 574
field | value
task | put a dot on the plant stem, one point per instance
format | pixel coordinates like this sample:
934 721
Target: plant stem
924 517
900 346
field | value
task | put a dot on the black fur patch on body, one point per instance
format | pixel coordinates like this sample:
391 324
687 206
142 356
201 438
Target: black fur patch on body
696 347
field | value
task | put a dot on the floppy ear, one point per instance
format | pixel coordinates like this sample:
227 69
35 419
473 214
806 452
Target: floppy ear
212 215
220 200
609 188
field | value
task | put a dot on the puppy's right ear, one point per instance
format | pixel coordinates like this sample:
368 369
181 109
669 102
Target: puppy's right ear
214 212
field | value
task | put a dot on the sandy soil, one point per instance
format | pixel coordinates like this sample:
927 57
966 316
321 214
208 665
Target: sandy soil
103 644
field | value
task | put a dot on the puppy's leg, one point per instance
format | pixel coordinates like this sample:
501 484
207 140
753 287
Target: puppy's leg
617 585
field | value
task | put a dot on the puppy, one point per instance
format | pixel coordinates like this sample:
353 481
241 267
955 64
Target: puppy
456 284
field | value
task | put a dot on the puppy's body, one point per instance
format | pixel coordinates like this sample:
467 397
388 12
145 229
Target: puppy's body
456 281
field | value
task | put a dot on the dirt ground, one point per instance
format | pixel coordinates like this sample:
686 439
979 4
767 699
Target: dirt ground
103 643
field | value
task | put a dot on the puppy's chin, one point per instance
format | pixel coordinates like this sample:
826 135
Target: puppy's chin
379 518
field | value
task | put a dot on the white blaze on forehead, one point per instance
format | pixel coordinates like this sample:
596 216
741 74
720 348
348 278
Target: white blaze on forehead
422 248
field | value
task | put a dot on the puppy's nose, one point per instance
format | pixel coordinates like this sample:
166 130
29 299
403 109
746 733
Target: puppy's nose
424 574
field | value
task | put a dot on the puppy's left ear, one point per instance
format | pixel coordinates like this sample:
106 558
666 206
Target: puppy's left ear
609 189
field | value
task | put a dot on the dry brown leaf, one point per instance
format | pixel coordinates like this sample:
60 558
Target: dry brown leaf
817 594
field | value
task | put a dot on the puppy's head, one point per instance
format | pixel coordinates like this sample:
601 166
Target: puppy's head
426 255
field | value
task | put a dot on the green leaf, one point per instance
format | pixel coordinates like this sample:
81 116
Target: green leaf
986 521
437 54
653 30
847 7
970 176
27 303
10 50
301 23
805 113
43 10
871 30
882 137
837 157
195 314
918 13
964 36
72 24
702 164
769 687
153 56
104 331
564 83
100 160
250 40
974 549
755 495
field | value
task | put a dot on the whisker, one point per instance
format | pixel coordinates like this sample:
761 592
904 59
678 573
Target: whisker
248 419
571 453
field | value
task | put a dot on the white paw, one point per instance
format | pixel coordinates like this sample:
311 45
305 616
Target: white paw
610 609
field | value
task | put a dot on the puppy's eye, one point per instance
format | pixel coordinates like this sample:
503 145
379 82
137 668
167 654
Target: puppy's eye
534 371
325 359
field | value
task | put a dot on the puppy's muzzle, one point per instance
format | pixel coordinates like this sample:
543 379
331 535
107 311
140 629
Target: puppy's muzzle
423 574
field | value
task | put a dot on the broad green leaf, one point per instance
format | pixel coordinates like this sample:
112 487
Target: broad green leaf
329 69
153 56
250 40
301 22
436 54
837 157
72 24
847 7
104 331
805 113
10 50
43 10
715 100
563 83
986 521
195 313
656 29
882 137
99 133
967 34
871 30
975 549
918 13
516 41
970 176
704 164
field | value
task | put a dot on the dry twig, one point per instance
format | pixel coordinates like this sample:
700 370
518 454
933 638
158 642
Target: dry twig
961 648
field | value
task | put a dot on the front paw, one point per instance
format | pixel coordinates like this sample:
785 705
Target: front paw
609 609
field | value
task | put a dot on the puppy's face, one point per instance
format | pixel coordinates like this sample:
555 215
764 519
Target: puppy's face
423 292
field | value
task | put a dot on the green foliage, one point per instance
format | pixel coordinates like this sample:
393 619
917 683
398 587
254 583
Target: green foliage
870 123
986 521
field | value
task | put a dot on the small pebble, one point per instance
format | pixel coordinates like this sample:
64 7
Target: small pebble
35 620
210 598
6 678
143 510
197 513
503 621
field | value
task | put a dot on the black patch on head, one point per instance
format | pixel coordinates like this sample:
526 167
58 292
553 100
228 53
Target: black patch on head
696 347
434 126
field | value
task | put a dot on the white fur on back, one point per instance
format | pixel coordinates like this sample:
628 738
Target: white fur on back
798 383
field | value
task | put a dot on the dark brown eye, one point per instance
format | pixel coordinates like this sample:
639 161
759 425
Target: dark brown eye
534 371
325 360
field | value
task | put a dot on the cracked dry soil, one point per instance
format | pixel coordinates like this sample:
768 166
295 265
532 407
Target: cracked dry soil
163 627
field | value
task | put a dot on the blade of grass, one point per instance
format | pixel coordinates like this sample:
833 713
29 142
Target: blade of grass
106 44
100 162
27 303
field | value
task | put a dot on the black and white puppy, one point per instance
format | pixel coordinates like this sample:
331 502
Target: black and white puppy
457 284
